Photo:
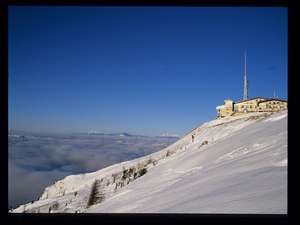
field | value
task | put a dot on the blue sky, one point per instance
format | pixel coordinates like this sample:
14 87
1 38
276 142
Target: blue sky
143 70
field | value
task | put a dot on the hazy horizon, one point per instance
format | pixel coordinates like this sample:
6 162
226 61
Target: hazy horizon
14 131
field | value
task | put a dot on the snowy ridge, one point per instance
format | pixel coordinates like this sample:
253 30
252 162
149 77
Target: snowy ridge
224 151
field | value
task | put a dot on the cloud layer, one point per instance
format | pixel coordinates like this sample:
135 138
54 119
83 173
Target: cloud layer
36 161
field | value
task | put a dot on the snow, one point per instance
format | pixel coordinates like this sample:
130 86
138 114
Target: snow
279 117
235 165
282 163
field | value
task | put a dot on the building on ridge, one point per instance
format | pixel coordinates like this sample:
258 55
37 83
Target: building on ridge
257 104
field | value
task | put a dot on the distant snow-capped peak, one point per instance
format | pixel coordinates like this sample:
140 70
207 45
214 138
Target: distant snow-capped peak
169 135
94 132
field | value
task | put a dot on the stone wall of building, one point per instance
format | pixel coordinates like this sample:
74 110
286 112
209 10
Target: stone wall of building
252 105
272 106
248 105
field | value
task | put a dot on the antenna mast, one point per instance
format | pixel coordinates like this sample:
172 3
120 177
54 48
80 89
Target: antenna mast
245 96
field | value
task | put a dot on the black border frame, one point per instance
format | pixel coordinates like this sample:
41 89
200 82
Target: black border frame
63 218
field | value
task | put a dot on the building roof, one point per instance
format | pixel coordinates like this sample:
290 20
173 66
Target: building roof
250 99
265 100
274 99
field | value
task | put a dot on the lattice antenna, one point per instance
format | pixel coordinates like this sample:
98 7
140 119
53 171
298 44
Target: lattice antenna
245 96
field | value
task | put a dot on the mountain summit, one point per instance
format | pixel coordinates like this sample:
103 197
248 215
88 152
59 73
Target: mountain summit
228 165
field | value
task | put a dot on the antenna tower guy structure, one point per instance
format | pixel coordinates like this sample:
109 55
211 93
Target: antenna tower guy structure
245 96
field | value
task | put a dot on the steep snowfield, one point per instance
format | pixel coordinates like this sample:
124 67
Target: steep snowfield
235 165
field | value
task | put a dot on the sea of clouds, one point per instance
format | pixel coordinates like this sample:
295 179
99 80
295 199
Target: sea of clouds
36 161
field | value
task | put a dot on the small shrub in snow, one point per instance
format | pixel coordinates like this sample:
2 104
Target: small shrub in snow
131 171
55 206
125 174
114 176
168 153
204 142
154 162
142 172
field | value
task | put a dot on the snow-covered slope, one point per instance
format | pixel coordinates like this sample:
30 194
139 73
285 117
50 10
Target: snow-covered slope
233 165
